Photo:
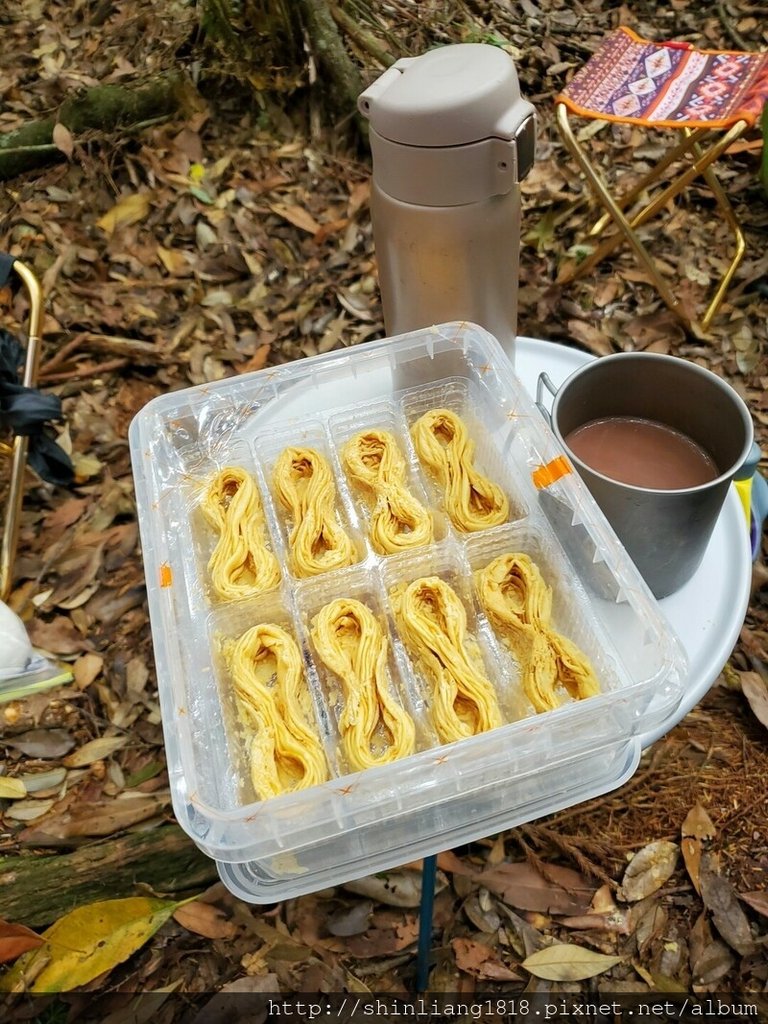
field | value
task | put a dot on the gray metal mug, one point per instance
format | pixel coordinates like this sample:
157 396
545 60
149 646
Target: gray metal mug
665 532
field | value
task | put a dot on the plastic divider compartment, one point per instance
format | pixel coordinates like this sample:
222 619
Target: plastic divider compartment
386 415
446 562
364 586
482 419
312 435
624 609
203 537
438 795
224 628
571 614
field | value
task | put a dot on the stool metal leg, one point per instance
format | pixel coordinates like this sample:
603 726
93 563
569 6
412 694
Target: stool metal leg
699 167
626 198
741 245
618 217
20 443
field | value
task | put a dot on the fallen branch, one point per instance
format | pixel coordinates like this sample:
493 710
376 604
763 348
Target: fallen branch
730 28
363 39
39 890
143 353
85 370
104 108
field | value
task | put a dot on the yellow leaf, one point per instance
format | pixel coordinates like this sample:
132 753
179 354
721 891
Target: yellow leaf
85 466
87 942
130 210
174 260
11 789
86 669
566 962
95 750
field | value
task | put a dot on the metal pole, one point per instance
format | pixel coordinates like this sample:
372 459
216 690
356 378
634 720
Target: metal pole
20 443
428 879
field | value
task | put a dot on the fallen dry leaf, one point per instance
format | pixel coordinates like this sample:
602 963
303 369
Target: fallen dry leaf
525 939
648 870
377 942
28 810
85 466
696 827
605 923
481 961
591 337
219 1007
394 888
565 962
174 260
648 921
710 958
257 361
721 900
297 216
204 919
95 750
101 818
448 861
698 824
42 743
757 900
353 920
756 692
521 886
65 514
86 669
58 637
62 139
16 939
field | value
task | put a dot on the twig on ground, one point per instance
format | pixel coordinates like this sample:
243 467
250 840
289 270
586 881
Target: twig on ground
363 39
730 29
87 370
142 350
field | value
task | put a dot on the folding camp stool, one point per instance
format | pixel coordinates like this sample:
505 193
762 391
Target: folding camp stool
711 97
16 451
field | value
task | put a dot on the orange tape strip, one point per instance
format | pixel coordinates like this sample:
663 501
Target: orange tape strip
546 475
166 575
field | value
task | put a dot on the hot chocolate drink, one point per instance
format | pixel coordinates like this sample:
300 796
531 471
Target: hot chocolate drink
642 452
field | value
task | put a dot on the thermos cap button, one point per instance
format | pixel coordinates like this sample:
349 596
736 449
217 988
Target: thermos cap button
450 96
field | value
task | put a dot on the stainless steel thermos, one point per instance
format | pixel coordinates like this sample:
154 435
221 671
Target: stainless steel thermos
451 140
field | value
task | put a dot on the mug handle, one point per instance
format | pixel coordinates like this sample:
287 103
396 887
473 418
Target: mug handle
544 382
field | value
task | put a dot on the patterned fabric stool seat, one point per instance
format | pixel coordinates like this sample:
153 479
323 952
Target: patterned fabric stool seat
711 97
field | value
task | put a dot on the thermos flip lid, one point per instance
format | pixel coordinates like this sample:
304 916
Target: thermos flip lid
450 96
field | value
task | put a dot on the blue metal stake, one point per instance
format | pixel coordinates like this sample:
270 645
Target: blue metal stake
428 879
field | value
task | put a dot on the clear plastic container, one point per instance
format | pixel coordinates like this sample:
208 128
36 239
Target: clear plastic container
360 822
